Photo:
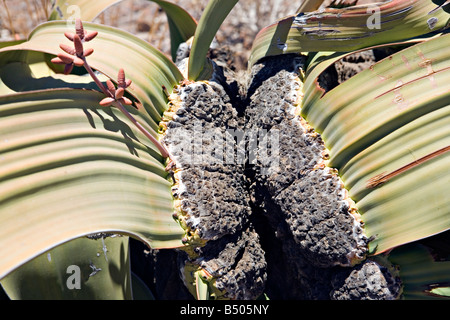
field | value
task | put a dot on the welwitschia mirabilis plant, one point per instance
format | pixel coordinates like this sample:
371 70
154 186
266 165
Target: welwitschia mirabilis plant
386 145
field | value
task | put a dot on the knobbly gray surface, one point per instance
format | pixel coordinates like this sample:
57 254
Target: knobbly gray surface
279 222
211 187
367 281
308 198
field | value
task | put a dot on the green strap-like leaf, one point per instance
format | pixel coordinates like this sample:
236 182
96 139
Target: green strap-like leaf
349 29
69 168
86 10
181 24
4 44
212 18
201 287
37 76
81 269
324 59
420 274
310 5
399 115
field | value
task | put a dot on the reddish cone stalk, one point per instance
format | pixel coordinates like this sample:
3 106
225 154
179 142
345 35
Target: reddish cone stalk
76 56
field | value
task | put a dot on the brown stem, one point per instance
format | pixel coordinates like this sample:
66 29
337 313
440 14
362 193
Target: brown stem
95 78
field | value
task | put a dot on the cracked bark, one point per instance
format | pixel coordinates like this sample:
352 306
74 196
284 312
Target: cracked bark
279 223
